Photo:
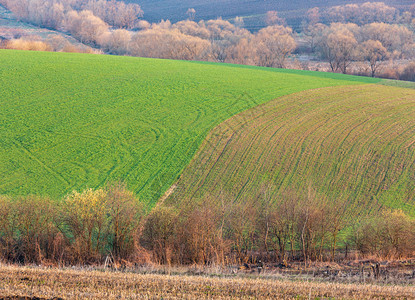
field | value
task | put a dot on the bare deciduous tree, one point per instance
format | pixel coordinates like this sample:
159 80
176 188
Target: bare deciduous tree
272 18
274 44
124 212
338 47
241 53
361 14
394 38
391 234
314 35
84 215
162 43
191 14
193 29
159 234
116 42
313 16
85 26
373 53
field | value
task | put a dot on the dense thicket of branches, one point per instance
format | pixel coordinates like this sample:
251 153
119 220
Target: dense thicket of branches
213 40
367 34
87 227
52 13
79 229
342 44
360 14
56 43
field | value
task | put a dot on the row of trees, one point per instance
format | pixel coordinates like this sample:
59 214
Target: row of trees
115 13
54 13
219 40
86 227
223 231
360 14
292 227
339 44
215 40
79 229
118 14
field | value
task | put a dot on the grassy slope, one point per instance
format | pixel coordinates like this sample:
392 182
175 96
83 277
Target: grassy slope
71 121
353 143
398 83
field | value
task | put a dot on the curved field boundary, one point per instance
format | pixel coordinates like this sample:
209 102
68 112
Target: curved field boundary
73 121
355 143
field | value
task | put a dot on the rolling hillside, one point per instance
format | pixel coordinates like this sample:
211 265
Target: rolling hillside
355 144
253 11
72 121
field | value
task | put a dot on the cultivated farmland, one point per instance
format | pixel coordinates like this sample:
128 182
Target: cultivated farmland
354 144
72 121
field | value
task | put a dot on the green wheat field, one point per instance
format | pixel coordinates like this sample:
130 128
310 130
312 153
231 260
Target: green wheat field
75 121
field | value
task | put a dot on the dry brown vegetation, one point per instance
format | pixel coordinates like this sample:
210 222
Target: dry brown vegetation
110 226
57 44
22 44
76 284
18 40
80 229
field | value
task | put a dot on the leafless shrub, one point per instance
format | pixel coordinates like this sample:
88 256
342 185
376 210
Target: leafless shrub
35 223
202 234
23 44
8 228
84 217
163 43
159 234
116 13
116 42
85 26
388 235
408 73
124 213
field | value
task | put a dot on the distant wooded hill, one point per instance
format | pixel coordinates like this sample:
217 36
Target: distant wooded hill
252 10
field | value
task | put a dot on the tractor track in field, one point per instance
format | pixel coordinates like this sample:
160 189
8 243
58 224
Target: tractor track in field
343 141
97 111
33 157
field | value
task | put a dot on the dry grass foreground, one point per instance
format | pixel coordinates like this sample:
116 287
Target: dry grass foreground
83 284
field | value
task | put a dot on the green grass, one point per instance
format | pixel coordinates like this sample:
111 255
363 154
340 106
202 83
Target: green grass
354 143
72 121
323 75
398 83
